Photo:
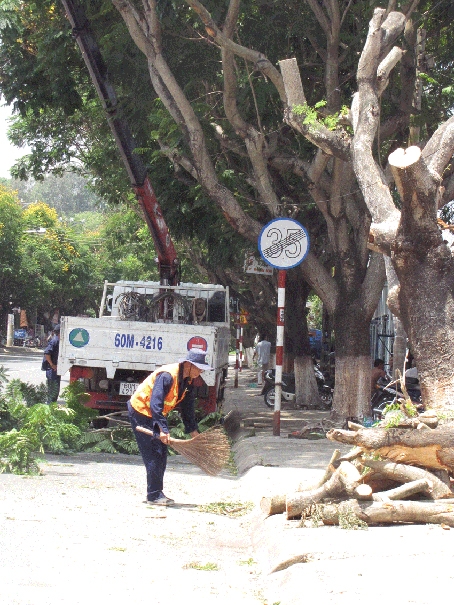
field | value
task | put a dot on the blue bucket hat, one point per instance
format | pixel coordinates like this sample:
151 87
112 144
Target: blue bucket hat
197 358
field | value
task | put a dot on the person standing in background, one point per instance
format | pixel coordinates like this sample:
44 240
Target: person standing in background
51 356
262 354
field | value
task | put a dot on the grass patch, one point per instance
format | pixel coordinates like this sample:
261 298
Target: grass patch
249 561
229 509
205 567
231 465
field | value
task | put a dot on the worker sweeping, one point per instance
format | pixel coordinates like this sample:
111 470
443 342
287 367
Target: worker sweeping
162 391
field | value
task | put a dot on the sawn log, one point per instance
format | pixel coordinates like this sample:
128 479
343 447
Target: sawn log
408 511
343 481
432 448
404 473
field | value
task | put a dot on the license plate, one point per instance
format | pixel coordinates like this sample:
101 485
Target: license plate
128 388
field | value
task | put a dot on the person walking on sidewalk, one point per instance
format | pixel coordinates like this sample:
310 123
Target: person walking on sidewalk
262 353
51 356
162 391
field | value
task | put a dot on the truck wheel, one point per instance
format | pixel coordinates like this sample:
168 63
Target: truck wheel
269 397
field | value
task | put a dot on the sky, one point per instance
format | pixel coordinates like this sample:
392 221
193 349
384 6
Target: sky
8 153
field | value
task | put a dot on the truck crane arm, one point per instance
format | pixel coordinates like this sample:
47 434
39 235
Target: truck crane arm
137 171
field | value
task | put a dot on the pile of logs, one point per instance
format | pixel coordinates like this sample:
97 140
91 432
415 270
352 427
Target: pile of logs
392 475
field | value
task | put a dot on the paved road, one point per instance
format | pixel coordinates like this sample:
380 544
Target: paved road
25 364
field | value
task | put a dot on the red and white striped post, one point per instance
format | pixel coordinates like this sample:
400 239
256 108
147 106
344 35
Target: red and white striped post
237 359
279 351
241 347
283 244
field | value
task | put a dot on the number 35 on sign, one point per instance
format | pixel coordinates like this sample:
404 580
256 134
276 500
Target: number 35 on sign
283 243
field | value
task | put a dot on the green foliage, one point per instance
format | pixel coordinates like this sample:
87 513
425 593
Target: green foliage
205 422
315 314
229 509
313 118
110 440
43 75
75 397
348 519
176 426
28 428
39 428
127 250
393 415
30 393
99 441
17 453
11 226
398 411
202 567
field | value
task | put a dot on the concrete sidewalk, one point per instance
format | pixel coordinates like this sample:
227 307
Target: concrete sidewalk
256 445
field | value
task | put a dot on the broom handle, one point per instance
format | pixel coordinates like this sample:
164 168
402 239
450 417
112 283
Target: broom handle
143 429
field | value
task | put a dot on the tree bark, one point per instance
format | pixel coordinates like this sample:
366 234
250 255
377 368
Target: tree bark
344 480
297 340
400 472
432 448
273 505
421 256
389 512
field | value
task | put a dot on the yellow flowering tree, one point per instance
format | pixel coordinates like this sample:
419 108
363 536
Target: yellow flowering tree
57 271
11 227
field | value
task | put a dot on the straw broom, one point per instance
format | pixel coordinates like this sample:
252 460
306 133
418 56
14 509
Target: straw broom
210 450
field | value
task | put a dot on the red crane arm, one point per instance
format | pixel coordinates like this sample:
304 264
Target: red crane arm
137 171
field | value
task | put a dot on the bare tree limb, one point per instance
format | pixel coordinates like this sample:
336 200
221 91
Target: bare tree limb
331 142
439 150
258 59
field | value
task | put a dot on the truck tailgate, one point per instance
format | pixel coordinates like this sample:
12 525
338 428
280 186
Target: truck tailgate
114 344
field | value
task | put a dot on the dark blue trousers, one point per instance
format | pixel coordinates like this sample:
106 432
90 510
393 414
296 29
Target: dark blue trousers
153 451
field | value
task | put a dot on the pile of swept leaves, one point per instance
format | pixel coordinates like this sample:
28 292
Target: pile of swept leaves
29 427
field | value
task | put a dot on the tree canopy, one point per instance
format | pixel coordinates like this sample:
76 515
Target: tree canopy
233 141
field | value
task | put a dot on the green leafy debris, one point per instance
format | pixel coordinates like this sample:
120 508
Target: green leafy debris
229 509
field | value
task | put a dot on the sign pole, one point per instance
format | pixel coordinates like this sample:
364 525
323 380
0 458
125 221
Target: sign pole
283 244
282 275
241 347
237 360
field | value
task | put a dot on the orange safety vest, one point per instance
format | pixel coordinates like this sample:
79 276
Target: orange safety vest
140 401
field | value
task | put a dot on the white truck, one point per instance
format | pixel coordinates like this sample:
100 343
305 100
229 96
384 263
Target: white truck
148 326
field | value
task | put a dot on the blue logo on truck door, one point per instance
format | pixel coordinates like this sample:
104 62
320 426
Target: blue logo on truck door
79 337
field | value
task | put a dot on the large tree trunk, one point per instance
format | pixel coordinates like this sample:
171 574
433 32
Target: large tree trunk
353 363
425 267
297 341
305 383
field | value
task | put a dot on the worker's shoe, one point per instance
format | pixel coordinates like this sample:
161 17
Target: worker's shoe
162 501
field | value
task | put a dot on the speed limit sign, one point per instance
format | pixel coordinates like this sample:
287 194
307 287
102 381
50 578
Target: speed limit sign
283 243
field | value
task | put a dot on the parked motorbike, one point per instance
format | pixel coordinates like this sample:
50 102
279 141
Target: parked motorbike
289 391
386 394
32 342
